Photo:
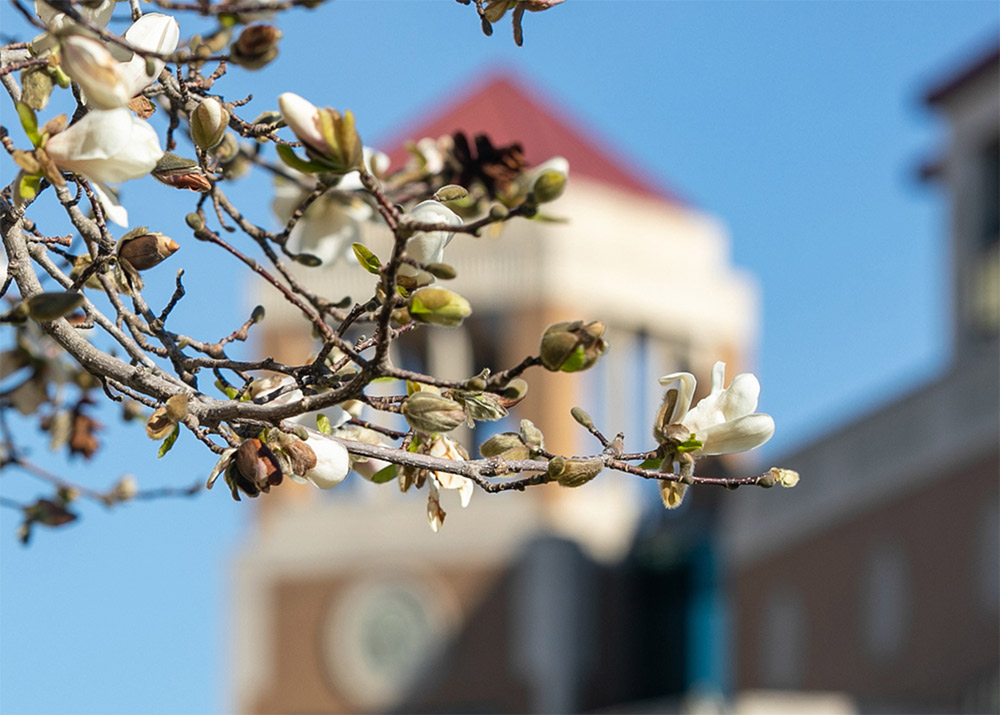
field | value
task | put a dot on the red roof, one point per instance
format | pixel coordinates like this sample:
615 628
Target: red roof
506 110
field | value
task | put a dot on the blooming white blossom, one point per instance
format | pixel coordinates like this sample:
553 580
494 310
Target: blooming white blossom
107 146
332 463
60 24
428 246
724 421
333 221
111 76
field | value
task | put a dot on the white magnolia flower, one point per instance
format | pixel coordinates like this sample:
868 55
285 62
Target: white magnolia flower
153 32
111 76
59 24
332 462
329 226
724 421
107 147
428 246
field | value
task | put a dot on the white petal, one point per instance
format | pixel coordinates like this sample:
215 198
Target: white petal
301 117
332 462
686 387
109 146
153 32
740 398
89 63
428 246
435 514
737 436
114 211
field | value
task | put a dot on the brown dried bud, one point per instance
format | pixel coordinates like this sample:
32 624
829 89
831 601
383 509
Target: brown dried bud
144 251
301 456
159 424
256 462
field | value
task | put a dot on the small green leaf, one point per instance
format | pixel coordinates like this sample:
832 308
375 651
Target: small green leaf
575 361
323 423
385 474
690 445
28 188
169 441
227 390
651 463
30 123
368 260
293 160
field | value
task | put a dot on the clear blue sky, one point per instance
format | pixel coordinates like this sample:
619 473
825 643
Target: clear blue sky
798 123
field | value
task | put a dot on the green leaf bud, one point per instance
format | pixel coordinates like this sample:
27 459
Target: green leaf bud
208 123
430 413
508 445
439 306
577 472
50 306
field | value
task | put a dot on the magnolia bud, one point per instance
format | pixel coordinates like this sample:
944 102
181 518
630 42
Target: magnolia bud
576 472
329 138
482 406
50 306
508 445
531 435
572 346
672 493
785 477
181 173
144 251
451 192
439 306
208 123
549 180
256 46
430 413
36 87
582 418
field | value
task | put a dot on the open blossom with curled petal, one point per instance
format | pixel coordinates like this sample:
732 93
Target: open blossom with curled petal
111 76
448 449
428 246
724 421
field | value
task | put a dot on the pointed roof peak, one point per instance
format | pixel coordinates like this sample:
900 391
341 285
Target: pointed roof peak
508 108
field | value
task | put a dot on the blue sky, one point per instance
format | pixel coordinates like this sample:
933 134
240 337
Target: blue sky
799 124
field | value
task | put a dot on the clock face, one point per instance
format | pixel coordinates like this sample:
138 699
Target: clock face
383 637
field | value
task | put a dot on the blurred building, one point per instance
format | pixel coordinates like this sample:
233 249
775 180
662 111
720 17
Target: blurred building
879 576
347 602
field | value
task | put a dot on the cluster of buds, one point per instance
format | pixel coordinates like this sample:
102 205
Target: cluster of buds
572 346
260 463
515 446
